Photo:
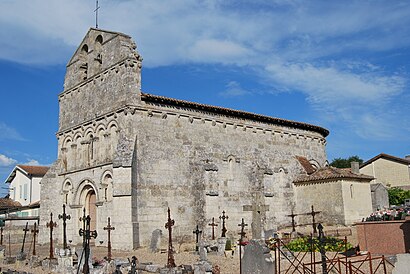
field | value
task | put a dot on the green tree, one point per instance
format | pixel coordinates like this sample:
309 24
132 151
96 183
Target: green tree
398 195
345 162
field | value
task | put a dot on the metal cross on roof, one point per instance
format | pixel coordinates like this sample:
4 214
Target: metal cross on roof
97 7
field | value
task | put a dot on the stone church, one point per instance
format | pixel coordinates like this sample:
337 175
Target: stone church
129 155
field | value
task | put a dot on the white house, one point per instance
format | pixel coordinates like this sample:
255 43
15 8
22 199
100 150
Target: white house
24 187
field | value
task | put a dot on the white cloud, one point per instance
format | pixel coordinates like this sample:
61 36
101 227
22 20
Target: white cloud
6 161
234 89
32 162
9 133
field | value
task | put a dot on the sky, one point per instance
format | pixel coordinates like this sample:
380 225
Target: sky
341 65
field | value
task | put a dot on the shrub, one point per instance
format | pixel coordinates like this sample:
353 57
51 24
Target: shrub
330 244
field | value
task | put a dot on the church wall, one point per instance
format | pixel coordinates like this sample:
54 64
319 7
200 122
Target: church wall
324 196
357 201
200 166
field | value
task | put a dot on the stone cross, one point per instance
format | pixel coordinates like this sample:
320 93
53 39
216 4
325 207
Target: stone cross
65 217
313 214
168 225
197 232
258 212
35 232
223 217
109 228
213 224
292 215
24 238
87 235
51 225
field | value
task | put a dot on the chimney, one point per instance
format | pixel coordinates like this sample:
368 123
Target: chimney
355 167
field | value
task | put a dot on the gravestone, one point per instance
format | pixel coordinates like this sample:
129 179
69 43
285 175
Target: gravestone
257 259
221 246
155 240
202 251
258 209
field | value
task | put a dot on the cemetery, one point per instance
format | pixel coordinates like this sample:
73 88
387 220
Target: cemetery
307 248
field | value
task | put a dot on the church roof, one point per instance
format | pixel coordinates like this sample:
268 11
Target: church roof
306 165
387 157
231 112
332 173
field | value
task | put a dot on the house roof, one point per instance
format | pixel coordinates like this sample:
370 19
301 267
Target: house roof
8 203
35 171
306 164
387 157
332 173
231 112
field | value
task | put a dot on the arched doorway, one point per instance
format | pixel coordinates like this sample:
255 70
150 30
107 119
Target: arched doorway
91 208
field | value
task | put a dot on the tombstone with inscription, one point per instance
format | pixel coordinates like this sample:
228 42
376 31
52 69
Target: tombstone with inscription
257 259
155 240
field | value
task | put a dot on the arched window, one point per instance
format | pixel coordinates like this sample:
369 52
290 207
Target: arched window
83 62
97 51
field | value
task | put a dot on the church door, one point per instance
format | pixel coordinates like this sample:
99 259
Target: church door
91 209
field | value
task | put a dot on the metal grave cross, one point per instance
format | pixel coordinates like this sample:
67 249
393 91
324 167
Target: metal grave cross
258 212
197 232
51 225
168 225
35 232
87 235
83 219
242 233
65 217
313 213
213 224
1 239
24 238
292 215
109 228
223 218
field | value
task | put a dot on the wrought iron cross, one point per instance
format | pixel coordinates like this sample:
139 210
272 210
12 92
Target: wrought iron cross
292 215
213 224
168 225
197 232
97 7
109 228
1 238
87 235
321 239
35 232
223 217
65 217
313 213
51 225
24 238
242 233
83 219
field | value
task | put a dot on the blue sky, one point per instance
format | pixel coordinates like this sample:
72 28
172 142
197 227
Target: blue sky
342 65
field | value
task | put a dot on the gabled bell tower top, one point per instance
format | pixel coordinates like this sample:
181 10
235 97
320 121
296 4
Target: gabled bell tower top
103 74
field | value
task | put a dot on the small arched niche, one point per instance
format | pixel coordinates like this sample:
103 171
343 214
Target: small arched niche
83 62
98 51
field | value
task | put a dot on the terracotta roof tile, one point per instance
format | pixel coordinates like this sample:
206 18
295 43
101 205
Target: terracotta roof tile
37 171
232 112
8 203
328 173
306 164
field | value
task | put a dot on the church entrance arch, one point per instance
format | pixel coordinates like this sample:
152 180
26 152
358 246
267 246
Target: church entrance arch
87 197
